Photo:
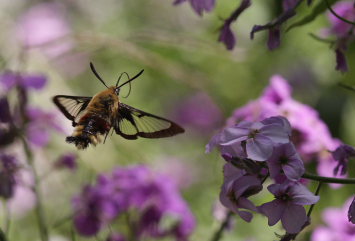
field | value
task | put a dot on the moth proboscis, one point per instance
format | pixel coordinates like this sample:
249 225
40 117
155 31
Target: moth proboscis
94 117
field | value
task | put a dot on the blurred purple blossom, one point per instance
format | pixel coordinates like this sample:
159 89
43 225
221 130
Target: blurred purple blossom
39 126
5 115
237 187
199 5
8 169
341 155
259 137
67 161
338 227
226 34
199 112
288 205
285 161
341 60
115 237
346 10
10 80
153 196
45 26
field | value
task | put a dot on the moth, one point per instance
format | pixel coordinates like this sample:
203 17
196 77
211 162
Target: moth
94 117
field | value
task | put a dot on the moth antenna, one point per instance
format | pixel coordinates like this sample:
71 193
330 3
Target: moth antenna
96 74
119 78
128 81
130 86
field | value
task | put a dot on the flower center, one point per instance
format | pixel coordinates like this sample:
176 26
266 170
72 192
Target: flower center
283 160
283 197
253 133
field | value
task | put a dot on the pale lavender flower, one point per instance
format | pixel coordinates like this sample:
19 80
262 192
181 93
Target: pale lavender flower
288 205
45 26
337 226
285 161
237 187
259 137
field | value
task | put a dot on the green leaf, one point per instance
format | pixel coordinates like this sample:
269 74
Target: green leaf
320 8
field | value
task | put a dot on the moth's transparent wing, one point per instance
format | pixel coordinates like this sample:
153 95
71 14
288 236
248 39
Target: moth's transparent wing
71 106
132 123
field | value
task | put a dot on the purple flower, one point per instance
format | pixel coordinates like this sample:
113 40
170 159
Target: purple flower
199 112
10 80
45 26
226 35
341 155
259 137
8 168
274 39
285 161
351 212
116 237
341 60
5 116
199 5
346 10
39 125
236 188
288 205
152 197
337 225
67 161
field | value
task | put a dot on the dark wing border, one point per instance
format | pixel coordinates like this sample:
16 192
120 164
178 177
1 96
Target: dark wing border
126 112
79 100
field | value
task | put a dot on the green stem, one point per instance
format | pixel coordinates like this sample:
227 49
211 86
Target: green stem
41 220
316 193
218 234
329 179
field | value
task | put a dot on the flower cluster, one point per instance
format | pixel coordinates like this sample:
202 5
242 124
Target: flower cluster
151 201
341 18
254 151
310 135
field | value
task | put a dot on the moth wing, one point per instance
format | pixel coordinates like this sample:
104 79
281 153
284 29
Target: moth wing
132 123
71 106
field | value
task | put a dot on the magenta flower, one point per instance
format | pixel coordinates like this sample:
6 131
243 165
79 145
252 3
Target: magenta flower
288 205
346 10
236 188
259 137
341 155
10 80
285 161
199 5
337 227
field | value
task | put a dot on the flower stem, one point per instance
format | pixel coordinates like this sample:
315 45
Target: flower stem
329 179
43 230
316 193
218 234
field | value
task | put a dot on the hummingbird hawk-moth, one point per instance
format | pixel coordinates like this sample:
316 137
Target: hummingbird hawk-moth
94 117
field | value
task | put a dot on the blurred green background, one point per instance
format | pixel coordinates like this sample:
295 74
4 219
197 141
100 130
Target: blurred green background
181 57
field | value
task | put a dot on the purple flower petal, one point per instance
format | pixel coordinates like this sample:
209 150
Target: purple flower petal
302 196
5 115
246 204
202 5
342 65
86 225
273 211
276 133
274 38
351 212
233 135
259 148
34 81
294 169
246 216
293 218
227 36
